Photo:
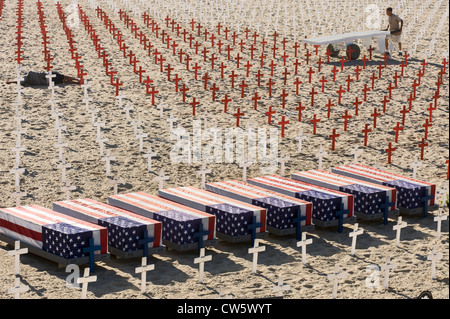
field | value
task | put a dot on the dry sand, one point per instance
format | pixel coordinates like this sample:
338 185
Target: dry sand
175 275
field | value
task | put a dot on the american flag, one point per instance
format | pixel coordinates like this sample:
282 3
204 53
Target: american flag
325 202
233 216
281 209
409 190
367 196
179 223
53 232
125 228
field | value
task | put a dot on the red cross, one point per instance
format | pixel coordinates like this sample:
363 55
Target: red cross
328 53
357 71
196 68
329 106
419 75
366 131
212 59
285 74
169 69
272 66
397 129
238 58
219 46
214 89
296 46
241 44
375 114
269 114
252 49
284 57
307 55
213 37
404 112
153 92
435 97
340 91
205 79
243 86
312 93
384 101
147 83
373 78
296 64
317 46
262 57
385 58
380 67
263 43
225 101
422 146
219 26
346 117
444 66
314 121
255 35
300 108
364 60
370 49
424 63
226 33
430 109
410 100
183 90
232 76
259 75
297 84
283 97
255 99
194 104
402 65
320 62
275 34
204 51
333 139
310 72
356 104
365 90
348 80
222 67
283 122
343 60
270 83
248 66
426 125
334 71
117 84
323 81
390 88
396 77
389 150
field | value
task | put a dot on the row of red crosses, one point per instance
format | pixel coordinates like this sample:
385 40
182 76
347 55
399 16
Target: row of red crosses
102 54
19 37
45 38
69 35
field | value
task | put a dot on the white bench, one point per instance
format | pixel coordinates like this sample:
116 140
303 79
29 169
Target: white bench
334 42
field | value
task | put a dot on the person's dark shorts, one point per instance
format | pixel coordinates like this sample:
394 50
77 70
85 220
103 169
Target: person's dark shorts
59 78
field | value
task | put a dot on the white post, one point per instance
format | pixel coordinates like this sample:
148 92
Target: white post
255 250
149 156
320 155
140 137
434 257
244 166
355 152
203 172
108 158
85 280
300 137
18 288
201 261
439 219
354 234
280 287
303 244
143 271
387 267
115 182
16 253
400 224
335 276
161 178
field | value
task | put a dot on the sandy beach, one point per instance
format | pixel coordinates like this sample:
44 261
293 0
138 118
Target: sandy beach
175 275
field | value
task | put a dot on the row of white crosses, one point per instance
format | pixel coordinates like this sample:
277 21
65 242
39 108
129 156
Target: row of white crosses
18 116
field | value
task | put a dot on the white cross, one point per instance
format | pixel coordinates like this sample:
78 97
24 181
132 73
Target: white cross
439 219
201 261
135 123
414 166
434 257
222 294
149 156
355 233
63 167
255 250
59 127
18 288
303 244
108 158
283 159
67 188
161 109
280 287
335 276
120 97
140 137
99 125
19 135
50 77
101 143
244 166
85 86
161 178
86 101
85 280
127 109
17 150
143 271
53 103
203 172
17 194
400 224
116 181
171 120
320 155
16 253
387 267
355 152
93 115
300 137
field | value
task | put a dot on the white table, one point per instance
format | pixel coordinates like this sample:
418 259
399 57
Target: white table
333 41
